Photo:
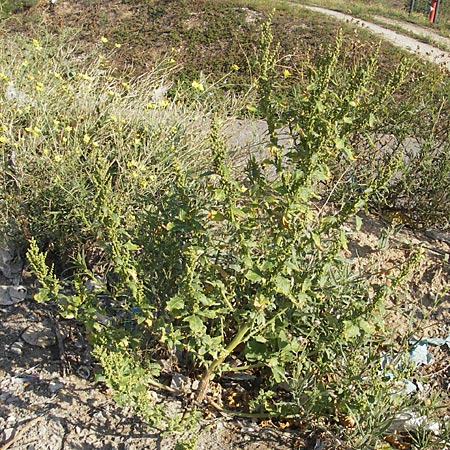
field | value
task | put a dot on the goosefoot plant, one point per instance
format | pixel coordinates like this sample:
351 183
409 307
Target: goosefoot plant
228 273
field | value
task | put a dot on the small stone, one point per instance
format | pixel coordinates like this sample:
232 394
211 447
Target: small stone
16 348
55 386
7 434
39 335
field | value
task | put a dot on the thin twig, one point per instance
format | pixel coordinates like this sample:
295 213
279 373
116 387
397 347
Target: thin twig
19 433
60 341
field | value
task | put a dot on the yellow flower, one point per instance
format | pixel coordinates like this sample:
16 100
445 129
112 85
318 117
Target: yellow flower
163 103
58 158
235 67
117 45
25 63
37 45
198 86
34 131
104 40
39 86
286 73
3 140
3 77
86 139
85 76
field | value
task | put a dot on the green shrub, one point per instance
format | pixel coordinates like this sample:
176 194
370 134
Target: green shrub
225 272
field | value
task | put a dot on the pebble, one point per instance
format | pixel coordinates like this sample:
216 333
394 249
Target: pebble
55 386
16 348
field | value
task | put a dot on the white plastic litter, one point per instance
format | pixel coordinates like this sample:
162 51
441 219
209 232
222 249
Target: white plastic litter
411 421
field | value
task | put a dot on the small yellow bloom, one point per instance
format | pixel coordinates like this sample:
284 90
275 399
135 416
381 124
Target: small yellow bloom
34 131
3 77
57 75
58 158
235 67
171 61
39 86
163 103
25 63
104 40
37 45
68 129
117 45
85 76
126 85
198 86
3 140
86 139
45 152
286 73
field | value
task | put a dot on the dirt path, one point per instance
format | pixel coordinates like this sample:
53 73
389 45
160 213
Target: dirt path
425 51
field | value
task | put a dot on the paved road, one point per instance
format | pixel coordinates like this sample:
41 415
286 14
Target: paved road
425 51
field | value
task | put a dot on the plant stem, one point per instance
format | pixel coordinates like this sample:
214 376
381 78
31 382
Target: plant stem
204 383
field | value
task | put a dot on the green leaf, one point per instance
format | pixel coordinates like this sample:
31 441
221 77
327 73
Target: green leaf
348 153
351 330
316 240
253 276
366 326
42 296
277 370
238 212
175 304
282 285
358 223
131 247
339 143
254 350
195 324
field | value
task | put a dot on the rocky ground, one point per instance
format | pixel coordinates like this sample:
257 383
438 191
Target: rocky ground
49 400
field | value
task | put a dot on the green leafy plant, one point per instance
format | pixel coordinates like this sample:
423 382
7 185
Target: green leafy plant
217 269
